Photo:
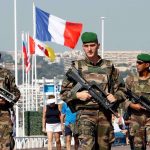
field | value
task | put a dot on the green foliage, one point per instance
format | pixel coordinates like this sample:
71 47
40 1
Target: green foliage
33 123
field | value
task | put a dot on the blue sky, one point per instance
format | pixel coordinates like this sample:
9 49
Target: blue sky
127 23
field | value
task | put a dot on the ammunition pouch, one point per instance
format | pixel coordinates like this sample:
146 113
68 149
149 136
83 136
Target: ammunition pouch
87 132
86 123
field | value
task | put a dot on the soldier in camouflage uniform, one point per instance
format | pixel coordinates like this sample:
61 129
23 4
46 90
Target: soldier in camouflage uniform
7 81
139 127
94 122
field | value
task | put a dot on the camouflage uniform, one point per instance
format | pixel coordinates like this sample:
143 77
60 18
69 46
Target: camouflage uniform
7 81
94 122
140 120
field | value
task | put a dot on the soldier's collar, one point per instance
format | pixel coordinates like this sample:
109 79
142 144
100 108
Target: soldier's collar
90 62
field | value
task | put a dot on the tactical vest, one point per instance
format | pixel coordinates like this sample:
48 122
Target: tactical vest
100 73
140 87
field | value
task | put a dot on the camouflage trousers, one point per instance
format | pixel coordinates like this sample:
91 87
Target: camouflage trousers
139 129
6 138
95 130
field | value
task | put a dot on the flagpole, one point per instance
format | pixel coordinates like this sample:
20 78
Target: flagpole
34 31
28 53
16 70
44 94
26 92
102 43
23 96
27 97
32 81
15 30
36 84
33 65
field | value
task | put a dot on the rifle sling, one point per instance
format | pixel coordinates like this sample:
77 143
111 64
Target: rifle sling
110 81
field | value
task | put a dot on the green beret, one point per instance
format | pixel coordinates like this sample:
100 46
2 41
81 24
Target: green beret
144 57
88 37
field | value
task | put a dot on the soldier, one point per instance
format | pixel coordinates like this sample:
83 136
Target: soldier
94 122
139 126
7 81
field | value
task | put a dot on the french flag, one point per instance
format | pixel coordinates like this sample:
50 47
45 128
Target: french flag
54 29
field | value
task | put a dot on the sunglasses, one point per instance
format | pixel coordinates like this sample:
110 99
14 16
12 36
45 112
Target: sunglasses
139 62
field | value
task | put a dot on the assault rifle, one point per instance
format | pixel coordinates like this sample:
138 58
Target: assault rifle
138 99
95 91
6 95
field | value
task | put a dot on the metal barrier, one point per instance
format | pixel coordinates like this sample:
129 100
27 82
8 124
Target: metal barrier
35 142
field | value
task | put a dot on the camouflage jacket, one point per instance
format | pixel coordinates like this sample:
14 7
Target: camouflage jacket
139 87
7 81
103 73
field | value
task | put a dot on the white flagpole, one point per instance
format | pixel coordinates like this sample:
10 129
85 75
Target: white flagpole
23 96
27 98
33 56
44 94
26 92
34 31
28 53
36 85
16 70
15 29
102 44
32 81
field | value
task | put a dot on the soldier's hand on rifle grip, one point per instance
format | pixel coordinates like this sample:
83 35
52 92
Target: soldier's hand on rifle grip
84 95
136 106
111 98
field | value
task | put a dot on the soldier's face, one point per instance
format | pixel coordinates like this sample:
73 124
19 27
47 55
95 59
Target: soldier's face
91 49
142 66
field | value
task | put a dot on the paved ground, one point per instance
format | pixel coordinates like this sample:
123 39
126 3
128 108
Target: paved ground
122 147
113 148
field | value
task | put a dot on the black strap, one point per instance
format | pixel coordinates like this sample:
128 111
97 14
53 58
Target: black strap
111 81
80 68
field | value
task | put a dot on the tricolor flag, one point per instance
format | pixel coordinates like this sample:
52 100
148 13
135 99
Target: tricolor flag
41 49
54 29
26 57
